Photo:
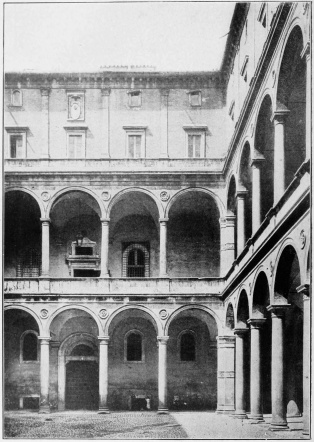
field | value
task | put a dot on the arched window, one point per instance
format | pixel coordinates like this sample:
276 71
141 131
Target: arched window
187 346
16 98
29 346
135 261
134 346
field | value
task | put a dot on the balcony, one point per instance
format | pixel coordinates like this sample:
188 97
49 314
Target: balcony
166 165
112 288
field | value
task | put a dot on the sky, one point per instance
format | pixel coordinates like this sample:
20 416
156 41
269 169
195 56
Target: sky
64 37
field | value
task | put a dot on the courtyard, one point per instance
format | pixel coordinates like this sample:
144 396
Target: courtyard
141 425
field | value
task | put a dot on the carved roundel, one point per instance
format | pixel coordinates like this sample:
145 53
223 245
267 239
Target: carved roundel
45 196
302 239
163 314
106 196
164 195
44 313
103 313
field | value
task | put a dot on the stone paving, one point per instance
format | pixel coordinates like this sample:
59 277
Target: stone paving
141 425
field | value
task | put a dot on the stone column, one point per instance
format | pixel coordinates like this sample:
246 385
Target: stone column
163 248
278 421
227 243
45 246
240 334
164 94
44 406
304 290
256 366
103 374
162 374
307 54
105 151
104 266
256 194
45 151
240 220
278 119
225 374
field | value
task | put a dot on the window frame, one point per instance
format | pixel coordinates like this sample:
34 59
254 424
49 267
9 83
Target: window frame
75 131
135 131
179 338
262 15
125 257
194 92
132 93
244 69
13 91
232 110
17 131
22 338
193 130
125 357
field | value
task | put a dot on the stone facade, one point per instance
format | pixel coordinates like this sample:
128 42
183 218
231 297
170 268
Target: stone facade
157 234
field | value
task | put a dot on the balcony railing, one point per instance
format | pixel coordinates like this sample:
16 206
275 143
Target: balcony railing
112 287
115 165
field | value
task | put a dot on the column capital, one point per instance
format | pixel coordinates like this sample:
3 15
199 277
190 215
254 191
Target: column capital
44 340
257 162
225 341
45 220
278 310
304 289
163 220
163 340
280 113
45 91
104 340
240 331
105 220
256 323
306 51
241 193
105 92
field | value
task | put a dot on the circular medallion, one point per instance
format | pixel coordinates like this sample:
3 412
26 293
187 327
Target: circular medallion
103 313
44 313
164 195
163 314
45 196
302 239
106 196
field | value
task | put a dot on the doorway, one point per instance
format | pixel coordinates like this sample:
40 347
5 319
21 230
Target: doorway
82 382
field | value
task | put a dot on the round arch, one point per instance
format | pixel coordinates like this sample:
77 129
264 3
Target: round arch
117 197
75 307
260 273
65 190
31 193
216 198
242 310
266 93
229 319
248 141
27 310
194 307
231 194
149 312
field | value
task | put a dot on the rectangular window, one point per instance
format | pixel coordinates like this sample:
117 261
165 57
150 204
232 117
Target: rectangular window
16 146
194 146
75 146
262 15
135 143
135 98
195 98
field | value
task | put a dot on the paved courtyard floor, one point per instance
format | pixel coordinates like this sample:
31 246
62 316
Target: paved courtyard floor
140 425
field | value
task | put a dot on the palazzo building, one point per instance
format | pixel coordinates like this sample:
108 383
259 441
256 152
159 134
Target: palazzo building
157 231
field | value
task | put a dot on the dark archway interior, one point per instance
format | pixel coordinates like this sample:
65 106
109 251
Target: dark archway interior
243 315
246 181
193 237
230 317
292 93
22 247
82 389
264 143
232 207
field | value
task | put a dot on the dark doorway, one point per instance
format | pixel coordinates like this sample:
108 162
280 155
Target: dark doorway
86 273
82 385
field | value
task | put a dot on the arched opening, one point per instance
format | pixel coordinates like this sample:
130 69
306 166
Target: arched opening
192 361
22 247
261 300
286 283
230 317
232 206
193 236
133 361
21 360
245 175
264 143
74 378
134 236
241 322
292 93
75 233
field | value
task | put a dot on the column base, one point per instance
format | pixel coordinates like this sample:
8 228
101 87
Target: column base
103 410
240 414
256 418
44 409
162 411
279 427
